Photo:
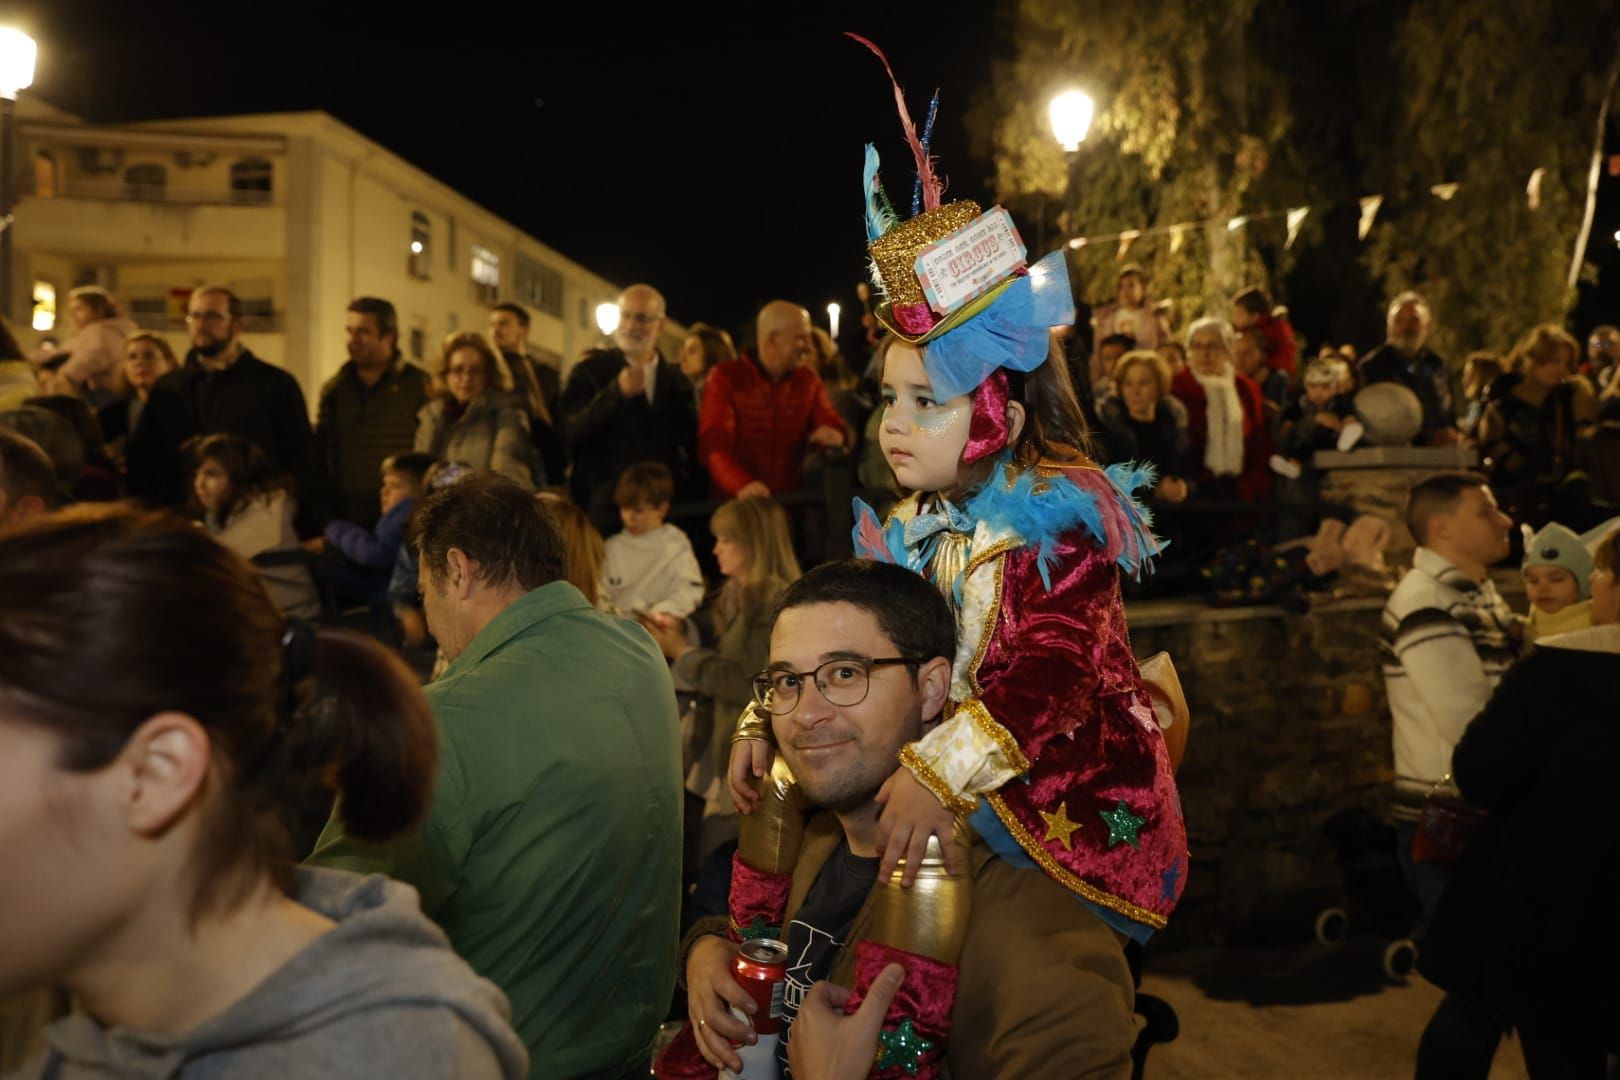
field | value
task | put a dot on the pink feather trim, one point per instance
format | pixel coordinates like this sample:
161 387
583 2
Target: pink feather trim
931 187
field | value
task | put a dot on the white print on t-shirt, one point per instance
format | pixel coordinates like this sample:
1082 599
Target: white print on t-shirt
799 980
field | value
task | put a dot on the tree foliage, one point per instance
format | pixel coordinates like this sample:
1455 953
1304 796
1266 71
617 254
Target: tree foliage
1219 108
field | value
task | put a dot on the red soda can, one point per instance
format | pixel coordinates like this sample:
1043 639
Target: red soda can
761 969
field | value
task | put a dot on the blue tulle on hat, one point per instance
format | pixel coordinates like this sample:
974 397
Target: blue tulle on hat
1010 333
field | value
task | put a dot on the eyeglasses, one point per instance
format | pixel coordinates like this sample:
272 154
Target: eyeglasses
842 682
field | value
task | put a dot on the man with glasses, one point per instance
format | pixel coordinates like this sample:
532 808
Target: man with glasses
860 666
1602 356
624 405
222 388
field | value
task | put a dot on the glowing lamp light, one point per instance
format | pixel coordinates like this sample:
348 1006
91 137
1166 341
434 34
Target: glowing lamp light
833 311
1070 113
17 55
607 317
416 247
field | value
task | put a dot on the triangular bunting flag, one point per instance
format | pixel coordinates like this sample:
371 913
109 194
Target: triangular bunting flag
1369 211
1126 239
1178 233
1444 192
1532 190
1296 218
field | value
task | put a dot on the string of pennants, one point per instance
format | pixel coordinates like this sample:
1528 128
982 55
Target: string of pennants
1294 217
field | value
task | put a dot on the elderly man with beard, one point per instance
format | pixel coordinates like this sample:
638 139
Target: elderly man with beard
625 405
1406 359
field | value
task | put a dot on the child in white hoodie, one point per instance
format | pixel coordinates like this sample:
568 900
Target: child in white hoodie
650 568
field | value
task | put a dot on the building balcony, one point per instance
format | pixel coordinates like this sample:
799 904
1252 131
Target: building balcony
265 323
120 190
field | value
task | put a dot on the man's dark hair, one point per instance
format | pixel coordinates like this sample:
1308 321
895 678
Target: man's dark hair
1437 494
1124 341
382 313
515 310
911 613
55 437
26 470
413 464
645 484
1253 301
499 526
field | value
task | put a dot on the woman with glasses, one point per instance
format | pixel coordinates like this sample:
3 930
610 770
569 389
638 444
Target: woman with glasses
477 418
755 553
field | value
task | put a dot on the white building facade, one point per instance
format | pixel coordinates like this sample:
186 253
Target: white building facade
297 214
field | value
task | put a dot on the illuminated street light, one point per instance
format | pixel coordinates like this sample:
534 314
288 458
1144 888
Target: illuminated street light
832 318
607 317
17 55
416 247
1070 113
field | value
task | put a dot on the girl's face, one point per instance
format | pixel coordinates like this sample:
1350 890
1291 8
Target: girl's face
732 557
79 314
70 869
212 485
144 365
692 357
1550 371
466 375
922 439
1551 588
1320 393
1139 388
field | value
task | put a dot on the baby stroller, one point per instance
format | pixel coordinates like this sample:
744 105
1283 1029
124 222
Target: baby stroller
1376 893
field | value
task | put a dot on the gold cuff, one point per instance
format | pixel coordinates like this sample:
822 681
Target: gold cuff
928 778
997 734
753 723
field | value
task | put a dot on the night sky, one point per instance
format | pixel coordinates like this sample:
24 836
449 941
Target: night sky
716 160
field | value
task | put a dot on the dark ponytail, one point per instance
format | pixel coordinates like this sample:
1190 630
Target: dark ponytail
110 615
389 749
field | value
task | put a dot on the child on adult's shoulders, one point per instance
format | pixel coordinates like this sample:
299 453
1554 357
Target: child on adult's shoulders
650 567
359 561
1557 571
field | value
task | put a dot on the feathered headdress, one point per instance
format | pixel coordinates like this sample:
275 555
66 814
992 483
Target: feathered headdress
953 276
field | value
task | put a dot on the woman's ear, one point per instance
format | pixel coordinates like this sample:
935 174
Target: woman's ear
167 761
1015 421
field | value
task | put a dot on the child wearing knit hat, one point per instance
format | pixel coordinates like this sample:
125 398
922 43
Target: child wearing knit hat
1557 569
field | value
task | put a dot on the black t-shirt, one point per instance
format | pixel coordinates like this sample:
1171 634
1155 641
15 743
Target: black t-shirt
817 932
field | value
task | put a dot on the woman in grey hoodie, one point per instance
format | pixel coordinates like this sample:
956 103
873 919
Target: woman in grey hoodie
152 752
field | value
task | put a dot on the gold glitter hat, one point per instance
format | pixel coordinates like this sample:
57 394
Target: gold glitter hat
948 263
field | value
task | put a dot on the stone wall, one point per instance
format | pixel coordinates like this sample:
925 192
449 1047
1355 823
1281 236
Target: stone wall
1378 479
1289 726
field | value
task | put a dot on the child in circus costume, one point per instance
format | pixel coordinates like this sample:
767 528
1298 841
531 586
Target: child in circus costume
1052 753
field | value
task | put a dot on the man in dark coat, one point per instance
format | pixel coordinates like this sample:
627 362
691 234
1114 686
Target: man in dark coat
223 388
625 405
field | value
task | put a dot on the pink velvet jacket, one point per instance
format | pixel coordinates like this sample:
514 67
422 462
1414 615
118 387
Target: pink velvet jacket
1051 723
1058 674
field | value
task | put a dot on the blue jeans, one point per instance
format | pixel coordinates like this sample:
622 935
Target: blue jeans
1427 880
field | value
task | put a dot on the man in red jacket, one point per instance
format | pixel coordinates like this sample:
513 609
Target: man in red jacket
762 410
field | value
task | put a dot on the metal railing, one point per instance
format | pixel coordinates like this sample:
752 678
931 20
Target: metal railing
252 324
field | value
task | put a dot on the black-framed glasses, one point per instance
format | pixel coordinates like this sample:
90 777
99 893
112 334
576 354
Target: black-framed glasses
843 682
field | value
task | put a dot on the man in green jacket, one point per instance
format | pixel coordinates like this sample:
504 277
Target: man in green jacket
551 856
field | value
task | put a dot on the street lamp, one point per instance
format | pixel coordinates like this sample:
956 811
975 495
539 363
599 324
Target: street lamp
17 55
607 318
1070 113
833 311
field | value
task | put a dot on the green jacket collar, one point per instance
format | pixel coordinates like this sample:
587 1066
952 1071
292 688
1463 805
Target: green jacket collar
530 609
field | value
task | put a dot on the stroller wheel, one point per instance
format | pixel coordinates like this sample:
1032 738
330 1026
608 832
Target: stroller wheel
1332 926
1400 959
